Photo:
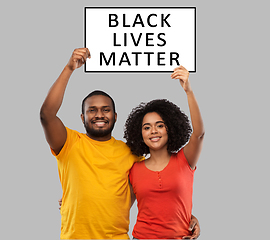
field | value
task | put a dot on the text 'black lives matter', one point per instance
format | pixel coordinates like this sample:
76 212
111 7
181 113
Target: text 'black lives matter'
148 39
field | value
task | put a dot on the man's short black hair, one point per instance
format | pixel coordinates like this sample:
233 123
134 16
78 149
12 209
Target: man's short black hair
97 92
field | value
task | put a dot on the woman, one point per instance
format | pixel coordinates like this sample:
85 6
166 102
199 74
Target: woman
163 183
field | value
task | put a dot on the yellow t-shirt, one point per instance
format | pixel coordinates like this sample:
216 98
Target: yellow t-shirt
96 194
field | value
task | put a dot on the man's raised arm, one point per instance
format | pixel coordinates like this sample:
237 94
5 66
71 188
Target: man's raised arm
54 129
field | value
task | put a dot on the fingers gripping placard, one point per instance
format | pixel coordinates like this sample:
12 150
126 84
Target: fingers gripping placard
140 39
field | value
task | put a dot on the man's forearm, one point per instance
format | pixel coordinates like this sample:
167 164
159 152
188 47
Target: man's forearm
55 95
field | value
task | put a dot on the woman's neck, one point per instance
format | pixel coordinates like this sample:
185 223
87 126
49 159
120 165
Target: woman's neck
158 160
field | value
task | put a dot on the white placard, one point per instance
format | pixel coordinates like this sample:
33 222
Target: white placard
140 39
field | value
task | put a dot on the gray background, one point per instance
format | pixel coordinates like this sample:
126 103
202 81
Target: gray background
231 185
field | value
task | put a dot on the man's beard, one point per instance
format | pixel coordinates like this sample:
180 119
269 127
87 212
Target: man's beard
97 133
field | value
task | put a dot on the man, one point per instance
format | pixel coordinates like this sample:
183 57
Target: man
93 167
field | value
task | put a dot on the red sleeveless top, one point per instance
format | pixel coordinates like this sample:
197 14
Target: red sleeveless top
164 199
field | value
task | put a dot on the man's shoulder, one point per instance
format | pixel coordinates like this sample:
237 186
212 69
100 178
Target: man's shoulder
116 141
74 132
123 145
120 143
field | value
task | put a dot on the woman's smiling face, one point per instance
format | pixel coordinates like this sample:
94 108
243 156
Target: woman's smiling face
154 132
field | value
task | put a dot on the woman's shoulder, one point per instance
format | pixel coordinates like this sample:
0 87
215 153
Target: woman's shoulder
139 164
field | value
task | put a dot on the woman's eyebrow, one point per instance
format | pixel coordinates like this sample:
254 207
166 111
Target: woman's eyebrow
155 123
160 122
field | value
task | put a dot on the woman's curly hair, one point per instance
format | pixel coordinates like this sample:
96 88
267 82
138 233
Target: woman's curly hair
177 125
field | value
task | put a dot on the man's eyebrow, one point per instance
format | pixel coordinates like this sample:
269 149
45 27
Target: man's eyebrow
101 106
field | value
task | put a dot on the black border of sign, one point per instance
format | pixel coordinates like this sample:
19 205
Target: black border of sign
195 42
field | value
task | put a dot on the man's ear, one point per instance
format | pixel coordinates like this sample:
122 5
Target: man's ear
115 116
82 117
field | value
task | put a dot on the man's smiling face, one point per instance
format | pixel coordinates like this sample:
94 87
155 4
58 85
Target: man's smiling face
99 117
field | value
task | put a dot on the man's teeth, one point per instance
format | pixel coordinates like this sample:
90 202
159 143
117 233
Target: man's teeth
100 123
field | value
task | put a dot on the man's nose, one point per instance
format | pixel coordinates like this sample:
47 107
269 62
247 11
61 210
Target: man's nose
99 113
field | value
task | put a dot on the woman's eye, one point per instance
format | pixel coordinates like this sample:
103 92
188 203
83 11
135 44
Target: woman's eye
160 126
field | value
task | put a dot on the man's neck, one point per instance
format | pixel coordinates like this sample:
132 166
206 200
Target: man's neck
100 139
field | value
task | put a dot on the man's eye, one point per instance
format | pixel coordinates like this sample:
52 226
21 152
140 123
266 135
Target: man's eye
106 110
